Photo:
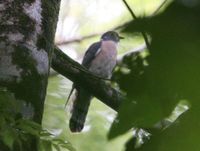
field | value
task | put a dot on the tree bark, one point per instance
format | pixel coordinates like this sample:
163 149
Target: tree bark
27 29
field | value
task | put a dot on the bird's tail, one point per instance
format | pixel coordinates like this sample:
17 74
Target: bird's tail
79 110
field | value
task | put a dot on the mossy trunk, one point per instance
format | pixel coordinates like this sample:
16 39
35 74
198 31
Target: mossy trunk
27 29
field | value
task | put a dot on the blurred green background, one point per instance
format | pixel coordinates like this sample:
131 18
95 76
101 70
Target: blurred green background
79 18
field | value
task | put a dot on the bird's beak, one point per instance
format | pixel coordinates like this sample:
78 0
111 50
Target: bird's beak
120 37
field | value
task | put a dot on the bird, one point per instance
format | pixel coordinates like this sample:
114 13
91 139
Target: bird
100 59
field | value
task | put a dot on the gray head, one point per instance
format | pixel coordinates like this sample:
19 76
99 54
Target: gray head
111 35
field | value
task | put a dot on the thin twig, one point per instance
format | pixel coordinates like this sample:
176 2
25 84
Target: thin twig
159 7
130 10
71 91
134 17
80 39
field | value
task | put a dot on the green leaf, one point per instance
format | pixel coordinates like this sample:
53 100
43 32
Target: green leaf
56 146
45 133
29 127
8 136
183 135
30 123
45 145
64 144
172 73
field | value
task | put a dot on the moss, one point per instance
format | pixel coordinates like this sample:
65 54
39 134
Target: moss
32 85
50 10
14 20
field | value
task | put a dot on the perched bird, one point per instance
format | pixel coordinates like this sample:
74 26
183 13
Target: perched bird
100 59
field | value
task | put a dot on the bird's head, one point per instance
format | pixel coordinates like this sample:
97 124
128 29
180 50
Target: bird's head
111 35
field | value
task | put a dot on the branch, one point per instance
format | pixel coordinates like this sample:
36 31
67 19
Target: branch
129 9
134 17
78 39
78 74
159 7
81 76
82 38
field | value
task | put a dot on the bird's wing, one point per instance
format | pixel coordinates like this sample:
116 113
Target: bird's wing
90 54
82 98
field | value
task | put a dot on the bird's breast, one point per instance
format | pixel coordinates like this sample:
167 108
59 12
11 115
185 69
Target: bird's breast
105 60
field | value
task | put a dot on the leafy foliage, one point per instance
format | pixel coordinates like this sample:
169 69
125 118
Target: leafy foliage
17 132
49 142
170 75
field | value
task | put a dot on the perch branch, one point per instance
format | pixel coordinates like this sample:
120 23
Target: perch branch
81 76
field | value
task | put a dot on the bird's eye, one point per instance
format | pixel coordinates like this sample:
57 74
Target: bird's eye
113 35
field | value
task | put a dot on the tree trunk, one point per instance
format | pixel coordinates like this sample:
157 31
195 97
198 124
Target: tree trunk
27 29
